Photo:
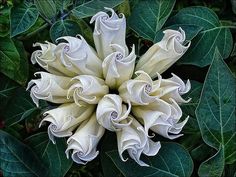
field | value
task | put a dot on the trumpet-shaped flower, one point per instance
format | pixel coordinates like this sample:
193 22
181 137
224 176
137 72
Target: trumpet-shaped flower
78 56
111 112
118 68
134 139
107 31
84 141
139 91
87 88
50 88
164 53
64 119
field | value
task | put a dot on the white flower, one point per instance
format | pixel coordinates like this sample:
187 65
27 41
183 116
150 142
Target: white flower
161 119
173 88
110 112
84 141
50 88
140 90
134 139
89 89
78 56
164 53
64 119
107 31
47 59
117 67
152 113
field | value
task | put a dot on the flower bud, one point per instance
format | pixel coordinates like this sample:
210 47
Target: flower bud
107 31
64 119
89 89
163 54
50 88
118 68
84 141
110 112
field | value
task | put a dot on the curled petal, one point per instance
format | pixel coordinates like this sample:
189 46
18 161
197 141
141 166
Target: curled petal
48 60
83 142
89 89
50 88
78 56
118 68
164 53
173 88
139 91
134 139
151 114
109 30
110 112
64 119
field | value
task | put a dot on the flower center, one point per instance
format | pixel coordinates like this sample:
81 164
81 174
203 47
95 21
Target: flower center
119 56
67 48
148 88
114 115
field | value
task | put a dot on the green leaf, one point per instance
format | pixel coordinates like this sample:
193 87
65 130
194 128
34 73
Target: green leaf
22 17
10 58
47 8
171 161
213 35
64 28
216 110
214 166
4 23
19 107
52 155
7 89
18 159
149 16
90 8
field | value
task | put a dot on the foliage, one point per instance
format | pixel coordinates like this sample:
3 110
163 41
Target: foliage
208 147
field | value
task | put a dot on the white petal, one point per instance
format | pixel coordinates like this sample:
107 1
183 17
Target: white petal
84 141
164 53
110 112
107 31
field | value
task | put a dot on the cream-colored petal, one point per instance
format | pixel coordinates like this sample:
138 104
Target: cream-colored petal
108 30
163 54
78 56
89 89
118 68
110 112
64 119
49 87
83 142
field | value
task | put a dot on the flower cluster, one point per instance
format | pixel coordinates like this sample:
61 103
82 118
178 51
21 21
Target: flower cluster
108 88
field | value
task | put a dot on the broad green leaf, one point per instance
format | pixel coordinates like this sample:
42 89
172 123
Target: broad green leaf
9 58
90 8
22 17
202 152
7 89
62 4
4 23
46 8
52 155
148 17
214 166
19 107
17 159
216 110
213 35
64 28
171 161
